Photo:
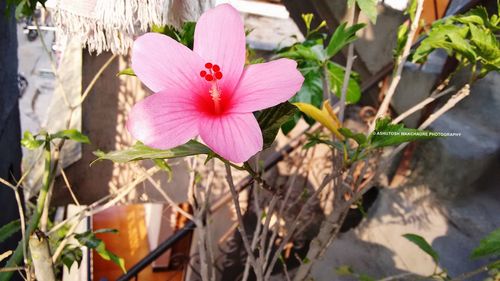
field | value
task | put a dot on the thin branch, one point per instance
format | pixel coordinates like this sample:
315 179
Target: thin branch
69 187
163 193
65 241
348 68
422 104
291 231
400 65
460 95
101 204
241 226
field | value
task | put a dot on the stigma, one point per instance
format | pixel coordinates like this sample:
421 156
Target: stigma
212 74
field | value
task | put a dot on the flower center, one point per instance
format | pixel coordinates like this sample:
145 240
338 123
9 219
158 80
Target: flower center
212 74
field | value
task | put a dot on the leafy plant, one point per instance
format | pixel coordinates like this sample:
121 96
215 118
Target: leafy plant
470 38
314 62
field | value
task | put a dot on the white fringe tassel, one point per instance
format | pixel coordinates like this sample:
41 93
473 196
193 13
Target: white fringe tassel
112 24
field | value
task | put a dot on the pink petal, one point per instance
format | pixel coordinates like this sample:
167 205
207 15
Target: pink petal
164 120
162 63
266 84
219 38
236 137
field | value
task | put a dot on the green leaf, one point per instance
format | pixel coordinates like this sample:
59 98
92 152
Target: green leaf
9 229
488 246
402 38
364 277
109 256
342 37
387 134
336 75
71 134
423 245
30 142
270 120
140 151
89 240
344 270
71 255
162 164
106 230
358 137
127 71
369 8
184 35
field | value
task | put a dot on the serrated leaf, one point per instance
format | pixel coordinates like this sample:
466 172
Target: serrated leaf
270 120
127 71
423 245
342 37
488 246
336 75
369 8
30 142
139 151
358 137
387 134
9 229
71 134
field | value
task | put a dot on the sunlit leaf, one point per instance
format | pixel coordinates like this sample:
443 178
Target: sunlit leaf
336 75
31 142
342 37
127 71
369 8
71 134
423 245
488 246
139 151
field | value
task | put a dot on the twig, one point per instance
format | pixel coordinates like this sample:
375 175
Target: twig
348 68
241 226
164 194
422 104
100 204
460 95
291 231
69 187
65 241
400 65
11 269
94 80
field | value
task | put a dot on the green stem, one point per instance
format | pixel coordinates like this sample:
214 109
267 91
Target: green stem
16 258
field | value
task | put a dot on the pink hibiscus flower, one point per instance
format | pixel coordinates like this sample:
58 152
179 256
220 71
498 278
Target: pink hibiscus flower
207 91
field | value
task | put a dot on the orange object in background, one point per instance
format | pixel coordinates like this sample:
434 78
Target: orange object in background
131 244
